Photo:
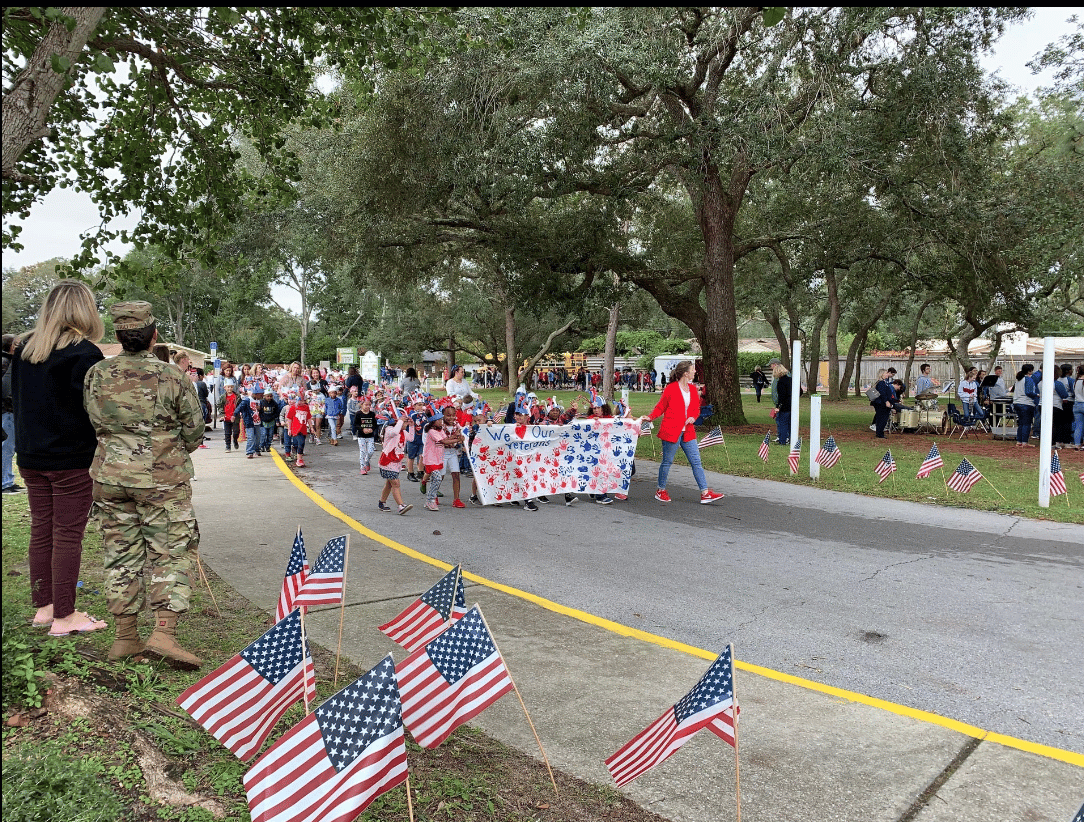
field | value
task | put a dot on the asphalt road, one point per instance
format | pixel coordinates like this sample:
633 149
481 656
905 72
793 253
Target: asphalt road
976 617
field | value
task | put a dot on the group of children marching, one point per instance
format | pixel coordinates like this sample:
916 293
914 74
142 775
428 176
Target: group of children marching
431 436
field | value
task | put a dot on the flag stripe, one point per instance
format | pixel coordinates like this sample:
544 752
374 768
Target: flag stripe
383 767
415 627
432 709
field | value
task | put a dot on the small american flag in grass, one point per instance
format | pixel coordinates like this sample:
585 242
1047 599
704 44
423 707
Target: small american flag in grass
964 477
324 585
933 460
885 467
714 437
1057 478
764 447
795 456
296 571
829 454
428 615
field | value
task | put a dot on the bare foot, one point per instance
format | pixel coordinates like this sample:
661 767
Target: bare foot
76 623
44 617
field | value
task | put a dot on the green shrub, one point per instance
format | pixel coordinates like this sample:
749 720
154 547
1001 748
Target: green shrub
20 675
747 361
41 784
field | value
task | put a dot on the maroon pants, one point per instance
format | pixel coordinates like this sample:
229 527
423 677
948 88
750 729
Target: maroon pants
59 508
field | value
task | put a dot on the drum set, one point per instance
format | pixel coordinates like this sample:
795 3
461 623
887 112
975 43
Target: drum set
924 418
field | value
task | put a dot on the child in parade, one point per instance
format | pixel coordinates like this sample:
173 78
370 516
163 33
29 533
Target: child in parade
316 415
365 425
334 408
298 417
414 445
433 460
522 415
554 416
227 409
391 462
601 410
247 417
353 405
269 415
453 449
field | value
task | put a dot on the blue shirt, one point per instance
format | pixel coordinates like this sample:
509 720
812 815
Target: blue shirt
334 407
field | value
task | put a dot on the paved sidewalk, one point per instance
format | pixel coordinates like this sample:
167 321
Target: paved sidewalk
805 755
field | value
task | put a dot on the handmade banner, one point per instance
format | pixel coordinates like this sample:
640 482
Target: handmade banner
517 462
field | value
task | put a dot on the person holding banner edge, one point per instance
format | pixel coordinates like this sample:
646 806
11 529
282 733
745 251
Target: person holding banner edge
679 406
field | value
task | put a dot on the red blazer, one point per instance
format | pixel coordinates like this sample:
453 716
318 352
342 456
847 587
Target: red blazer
671 407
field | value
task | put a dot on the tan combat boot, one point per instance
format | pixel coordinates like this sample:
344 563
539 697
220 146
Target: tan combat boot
162 644
127 642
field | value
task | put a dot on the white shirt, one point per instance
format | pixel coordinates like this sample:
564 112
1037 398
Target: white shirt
457 389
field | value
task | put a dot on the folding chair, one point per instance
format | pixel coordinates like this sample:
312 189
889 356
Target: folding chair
962 421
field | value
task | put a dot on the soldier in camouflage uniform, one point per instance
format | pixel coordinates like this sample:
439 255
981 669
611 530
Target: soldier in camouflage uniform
147 418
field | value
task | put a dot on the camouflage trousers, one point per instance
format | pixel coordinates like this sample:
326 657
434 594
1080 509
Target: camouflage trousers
147 531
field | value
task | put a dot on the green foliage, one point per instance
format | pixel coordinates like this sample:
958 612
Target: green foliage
649 344
43 784
21 677
157 98
748 361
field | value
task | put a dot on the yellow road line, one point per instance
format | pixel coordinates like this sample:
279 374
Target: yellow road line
624 630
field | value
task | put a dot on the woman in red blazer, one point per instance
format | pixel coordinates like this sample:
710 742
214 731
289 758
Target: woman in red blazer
679 406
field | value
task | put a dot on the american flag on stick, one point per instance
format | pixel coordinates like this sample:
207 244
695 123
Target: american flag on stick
451 680
964 477
297 569
240 702
324 585
795 455
645 428
829 454
713 437
708 705
765 447
428 615
886 466
933 460
1057 478
337 760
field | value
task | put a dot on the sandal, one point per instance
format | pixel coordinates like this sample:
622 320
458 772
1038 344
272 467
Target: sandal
42 623
87 625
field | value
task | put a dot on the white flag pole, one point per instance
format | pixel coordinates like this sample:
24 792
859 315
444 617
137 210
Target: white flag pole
795 389
814 436
1046 423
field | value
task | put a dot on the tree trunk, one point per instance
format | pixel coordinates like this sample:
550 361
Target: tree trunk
511 370
719 342
813 350
772 318
28 101
914 340
832 336
608 354
451 354
858 345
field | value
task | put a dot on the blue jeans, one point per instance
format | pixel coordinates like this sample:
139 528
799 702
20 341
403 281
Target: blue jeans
295 444
1078 423
252 442
782 426
692 454
1024 415
333 425
9 448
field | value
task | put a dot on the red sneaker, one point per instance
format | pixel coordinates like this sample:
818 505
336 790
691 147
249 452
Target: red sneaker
300 463
458 504
621 497
662 496
709 496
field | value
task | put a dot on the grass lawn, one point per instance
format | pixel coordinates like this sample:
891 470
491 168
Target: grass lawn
1012 471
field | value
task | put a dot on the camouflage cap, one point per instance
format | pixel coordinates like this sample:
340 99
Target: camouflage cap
128 316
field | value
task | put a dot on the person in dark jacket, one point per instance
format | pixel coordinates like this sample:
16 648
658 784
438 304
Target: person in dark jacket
10 487
887 399
56 448
760 380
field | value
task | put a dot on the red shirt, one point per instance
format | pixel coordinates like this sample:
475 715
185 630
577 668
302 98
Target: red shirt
298 415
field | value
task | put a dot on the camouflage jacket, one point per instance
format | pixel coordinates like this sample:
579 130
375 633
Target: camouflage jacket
147 418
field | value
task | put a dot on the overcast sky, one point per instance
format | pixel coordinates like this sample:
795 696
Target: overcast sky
55 224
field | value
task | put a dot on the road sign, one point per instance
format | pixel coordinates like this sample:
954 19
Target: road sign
218 364
214 348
